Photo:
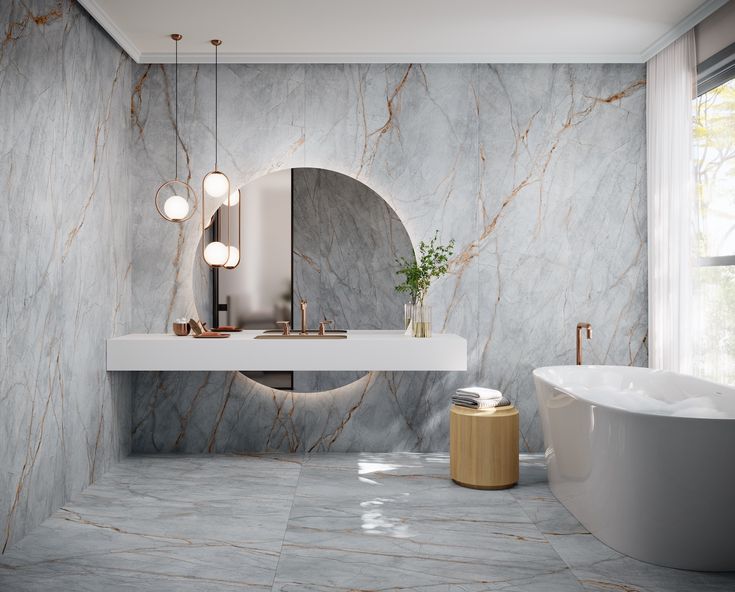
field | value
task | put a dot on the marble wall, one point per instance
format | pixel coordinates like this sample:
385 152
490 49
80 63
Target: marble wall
537 171
65 257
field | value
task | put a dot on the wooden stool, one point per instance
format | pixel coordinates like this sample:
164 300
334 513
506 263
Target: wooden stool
483 447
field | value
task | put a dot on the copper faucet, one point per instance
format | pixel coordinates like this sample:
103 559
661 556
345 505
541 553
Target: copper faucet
304 330
580 328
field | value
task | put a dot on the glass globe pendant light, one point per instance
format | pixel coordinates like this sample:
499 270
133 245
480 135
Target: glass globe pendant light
216 184
176 207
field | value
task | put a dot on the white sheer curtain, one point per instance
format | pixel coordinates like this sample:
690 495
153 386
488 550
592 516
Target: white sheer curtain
671 86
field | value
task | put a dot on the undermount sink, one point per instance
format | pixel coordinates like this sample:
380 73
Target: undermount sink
309 335
279 332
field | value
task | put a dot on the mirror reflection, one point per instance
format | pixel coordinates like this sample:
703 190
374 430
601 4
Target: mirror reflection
257 293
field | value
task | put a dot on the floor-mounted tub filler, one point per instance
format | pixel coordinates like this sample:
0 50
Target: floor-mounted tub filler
644 459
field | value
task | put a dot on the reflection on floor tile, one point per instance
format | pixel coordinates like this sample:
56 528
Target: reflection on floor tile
323 522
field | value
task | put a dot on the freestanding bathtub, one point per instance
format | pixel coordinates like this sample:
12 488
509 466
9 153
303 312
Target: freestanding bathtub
645 460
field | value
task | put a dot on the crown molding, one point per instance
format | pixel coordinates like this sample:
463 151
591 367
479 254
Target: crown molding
385 58
101 16
104 20
688 23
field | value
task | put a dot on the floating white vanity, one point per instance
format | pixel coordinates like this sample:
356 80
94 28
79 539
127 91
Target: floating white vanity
361 350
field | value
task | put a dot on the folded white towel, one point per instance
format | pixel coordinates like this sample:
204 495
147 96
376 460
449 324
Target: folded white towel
480 403
478 392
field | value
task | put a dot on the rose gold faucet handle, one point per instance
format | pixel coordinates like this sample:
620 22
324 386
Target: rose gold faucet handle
323 326
304 330
285 327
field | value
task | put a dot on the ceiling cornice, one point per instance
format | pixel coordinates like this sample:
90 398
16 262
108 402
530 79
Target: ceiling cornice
101 16
387 58
688 23
98 14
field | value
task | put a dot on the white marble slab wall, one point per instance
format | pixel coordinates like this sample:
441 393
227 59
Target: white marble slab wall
537 171
65 257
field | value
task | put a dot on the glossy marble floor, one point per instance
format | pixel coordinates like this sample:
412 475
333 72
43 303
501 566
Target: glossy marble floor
327 522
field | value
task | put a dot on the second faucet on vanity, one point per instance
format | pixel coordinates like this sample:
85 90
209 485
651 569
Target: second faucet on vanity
304 333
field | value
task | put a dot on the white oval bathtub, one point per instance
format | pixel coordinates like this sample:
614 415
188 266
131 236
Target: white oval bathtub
644 459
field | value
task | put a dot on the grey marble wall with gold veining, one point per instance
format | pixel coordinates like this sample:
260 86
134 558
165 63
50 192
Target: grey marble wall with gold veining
537 171
65 257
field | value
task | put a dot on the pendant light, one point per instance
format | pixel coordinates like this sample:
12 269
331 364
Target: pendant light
233 258
176 208
216 184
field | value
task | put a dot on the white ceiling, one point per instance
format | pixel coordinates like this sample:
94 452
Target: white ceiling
384 31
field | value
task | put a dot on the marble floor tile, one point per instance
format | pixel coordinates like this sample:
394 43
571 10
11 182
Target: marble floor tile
399 491
323 522
384 549
160 523
396 521
601 569
598 567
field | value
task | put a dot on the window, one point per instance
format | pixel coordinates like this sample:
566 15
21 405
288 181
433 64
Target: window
713 355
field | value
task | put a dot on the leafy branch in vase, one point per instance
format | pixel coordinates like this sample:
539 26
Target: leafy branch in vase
432 263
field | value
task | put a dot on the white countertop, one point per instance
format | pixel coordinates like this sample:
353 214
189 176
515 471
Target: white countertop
362 350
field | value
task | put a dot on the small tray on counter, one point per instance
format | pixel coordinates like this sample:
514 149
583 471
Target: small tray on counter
211 335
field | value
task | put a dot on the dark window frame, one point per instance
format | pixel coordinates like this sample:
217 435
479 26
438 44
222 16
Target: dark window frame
716 70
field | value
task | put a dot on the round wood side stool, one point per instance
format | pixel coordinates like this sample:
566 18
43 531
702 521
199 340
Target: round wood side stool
483 447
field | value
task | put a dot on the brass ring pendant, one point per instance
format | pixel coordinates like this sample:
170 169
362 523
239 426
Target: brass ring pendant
189 191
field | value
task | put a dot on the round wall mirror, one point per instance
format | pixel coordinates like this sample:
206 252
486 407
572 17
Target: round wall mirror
315 235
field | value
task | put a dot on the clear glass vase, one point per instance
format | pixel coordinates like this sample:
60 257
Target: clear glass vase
408 318
421 320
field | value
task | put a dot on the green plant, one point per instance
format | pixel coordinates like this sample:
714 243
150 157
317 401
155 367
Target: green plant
433 262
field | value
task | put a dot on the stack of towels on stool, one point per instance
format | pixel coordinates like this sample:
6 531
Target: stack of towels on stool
478 397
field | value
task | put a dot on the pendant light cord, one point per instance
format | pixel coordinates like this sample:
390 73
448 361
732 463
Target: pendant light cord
176 111
216 105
